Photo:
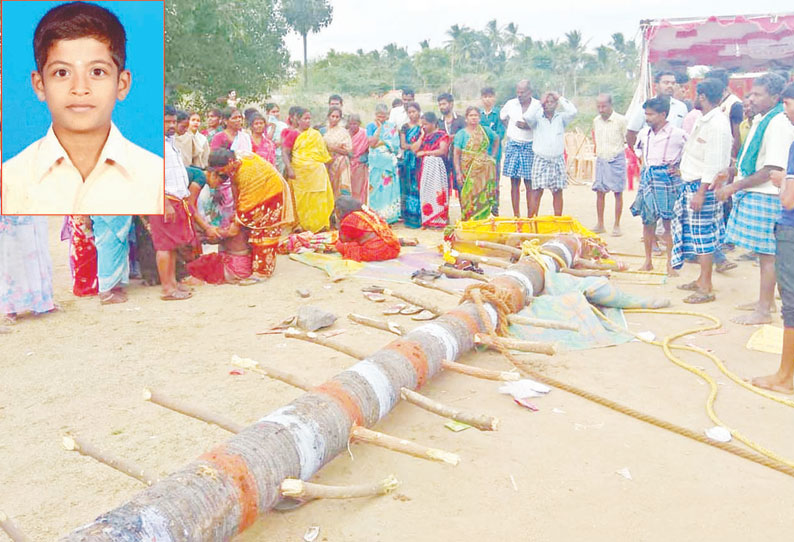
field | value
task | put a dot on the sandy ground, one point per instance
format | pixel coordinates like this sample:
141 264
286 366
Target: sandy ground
544 476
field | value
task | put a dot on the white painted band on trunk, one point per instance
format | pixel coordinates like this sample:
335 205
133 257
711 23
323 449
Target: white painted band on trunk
154 526
494 316
551 263
307 435
567 256
379 383
451 345
529 291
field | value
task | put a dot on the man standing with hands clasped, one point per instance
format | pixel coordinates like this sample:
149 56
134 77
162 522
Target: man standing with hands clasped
697 215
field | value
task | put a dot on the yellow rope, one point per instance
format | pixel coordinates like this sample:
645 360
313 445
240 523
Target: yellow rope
667 348
534 250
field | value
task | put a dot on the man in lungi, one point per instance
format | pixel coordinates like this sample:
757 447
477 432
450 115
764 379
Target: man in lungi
173 230
518 150
659 146
698 227
756 200
548 124
609 137
783 380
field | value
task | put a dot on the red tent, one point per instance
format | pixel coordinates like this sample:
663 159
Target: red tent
743 43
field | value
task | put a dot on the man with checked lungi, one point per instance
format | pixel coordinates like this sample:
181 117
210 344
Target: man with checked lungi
756 200
518 150
698 227
783 380
548 124
659 146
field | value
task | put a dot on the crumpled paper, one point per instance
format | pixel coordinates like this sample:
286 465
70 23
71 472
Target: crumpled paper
523 389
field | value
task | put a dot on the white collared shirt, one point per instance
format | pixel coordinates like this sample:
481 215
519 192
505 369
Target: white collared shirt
176 181
512 111
774 149
549 134
675 116
41 179
708 149
609 135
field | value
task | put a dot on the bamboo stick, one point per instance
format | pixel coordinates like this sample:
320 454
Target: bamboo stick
391 327
414 301
11 529
528 236
585 272
362 434
312 337
513 251
191 410
435 286
453 273
496 262
480 421
538 322
276 374
76 444
485 374
306 491
523 346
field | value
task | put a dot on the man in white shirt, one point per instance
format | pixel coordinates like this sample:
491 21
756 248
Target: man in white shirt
518 153
609 137
665 86
756 201
698 227
548 124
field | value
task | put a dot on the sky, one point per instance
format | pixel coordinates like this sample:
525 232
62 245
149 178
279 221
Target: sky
369 24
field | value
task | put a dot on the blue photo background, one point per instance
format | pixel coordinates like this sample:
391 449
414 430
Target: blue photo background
139 116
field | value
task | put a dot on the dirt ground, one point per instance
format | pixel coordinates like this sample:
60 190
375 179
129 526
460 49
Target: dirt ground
549 475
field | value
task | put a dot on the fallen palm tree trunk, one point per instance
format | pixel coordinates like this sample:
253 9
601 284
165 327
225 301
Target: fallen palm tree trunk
222 493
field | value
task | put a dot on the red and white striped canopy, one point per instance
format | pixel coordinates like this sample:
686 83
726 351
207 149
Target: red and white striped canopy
744 43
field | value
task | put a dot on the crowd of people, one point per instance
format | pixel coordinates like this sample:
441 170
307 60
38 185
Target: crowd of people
711 178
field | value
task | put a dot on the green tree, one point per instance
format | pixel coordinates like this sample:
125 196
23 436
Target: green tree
305 16
212 46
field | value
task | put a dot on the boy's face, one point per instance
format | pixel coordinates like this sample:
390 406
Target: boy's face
488 100
80 84
181 126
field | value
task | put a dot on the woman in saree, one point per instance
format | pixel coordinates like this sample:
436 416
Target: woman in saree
474 156
232 136
112 239
304 158
409 167
431 149
261 143
339 144
25 267
384 182
82 254
359 170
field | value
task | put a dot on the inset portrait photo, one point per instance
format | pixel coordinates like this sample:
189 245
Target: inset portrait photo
82 108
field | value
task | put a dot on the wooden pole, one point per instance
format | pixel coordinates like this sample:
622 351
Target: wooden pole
414 301
476 372
11 529
435 286
191 410
76 444
362 434
586 272
453 273
480 421
496 262
306 491
499 247
312 337
538 322
276 374
523 346
391 327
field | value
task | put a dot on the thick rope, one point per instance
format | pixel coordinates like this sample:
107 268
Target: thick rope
497 297
768 460
533 249
713 389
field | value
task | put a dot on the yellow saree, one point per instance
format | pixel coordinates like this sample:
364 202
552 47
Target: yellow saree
314 197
